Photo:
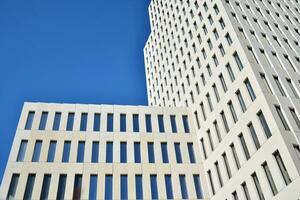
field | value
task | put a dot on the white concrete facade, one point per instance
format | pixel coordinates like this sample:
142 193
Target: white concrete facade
236 65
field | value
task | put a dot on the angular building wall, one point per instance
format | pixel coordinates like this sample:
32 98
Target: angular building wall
65 151
236 65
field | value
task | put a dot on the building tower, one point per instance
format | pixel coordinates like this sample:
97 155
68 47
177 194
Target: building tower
236 65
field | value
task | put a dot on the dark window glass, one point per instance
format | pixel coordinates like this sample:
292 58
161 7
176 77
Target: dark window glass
45 187
70 121
250 90
148 123
61 187
135 120
109 152
169 188
164 152
161 123
185 123
225 123
137 152
83 121
29 187
37 151
235 156
226 165
22 150
80 151
29 120
282 118
13 186
282 168
110 122
219 174
108 187
232 111
270 178
257 186
184 192
244 145
246 191
93 187
51 151
254 136
295 117
151 157
241 101
173 123
198 187
66 151
153 183
238 61
124 187
123 122
77 186
138 187
95 152
97 118
203 148
123 152
178 152
56 123
211 182
191 152
43 121
264 124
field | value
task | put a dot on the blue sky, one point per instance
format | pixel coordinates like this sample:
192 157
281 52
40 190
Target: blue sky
72 52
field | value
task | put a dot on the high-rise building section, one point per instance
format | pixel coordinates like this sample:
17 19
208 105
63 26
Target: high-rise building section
236 65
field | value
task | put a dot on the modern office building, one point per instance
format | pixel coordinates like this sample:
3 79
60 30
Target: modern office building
236 65
223 120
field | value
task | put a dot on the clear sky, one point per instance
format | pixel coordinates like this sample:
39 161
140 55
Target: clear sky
69 52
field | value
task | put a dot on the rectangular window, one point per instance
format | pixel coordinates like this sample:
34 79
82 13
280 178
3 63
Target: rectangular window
191 152
197 119
217 131
250 89
253 135
161 123
185 122
108 187
209 102
29 187
282 168
97 118
148 123
211 182
173 123
95 152
216 92
164 152
56 123
244 145
292 88
224 156
22 151
169 188
177 152
135 119
203 111
184 192
29 120
123 152
210 140
151 158
282 118
13 186
138 186
265 81
93 187
224 86
61 186
235 156
123 123
109 152
70 121
264 124
37 151
232 111
66 151
295 117
198 188
83 121
225 123
77 186
281 90
257 186
80 151
153 183
203 148
137 152
43 121
230 72
270 178
246 191
51 151
241 101
219 174
297 150
110 122
124 187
